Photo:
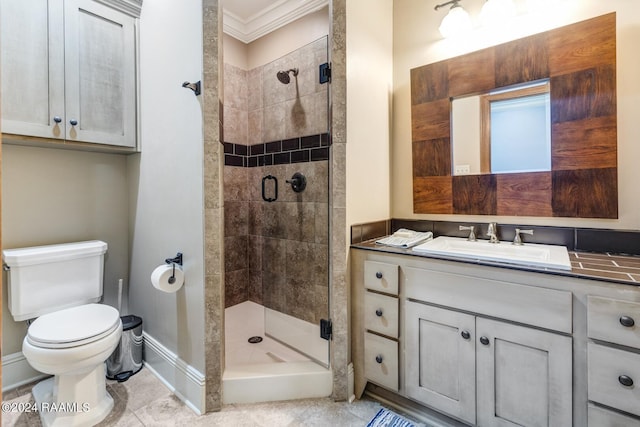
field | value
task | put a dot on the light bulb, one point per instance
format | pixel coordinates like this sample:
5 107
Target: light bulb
456 22
496 12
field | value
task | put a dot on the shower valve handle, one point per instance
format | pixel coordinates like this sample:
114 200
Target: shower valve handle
298 182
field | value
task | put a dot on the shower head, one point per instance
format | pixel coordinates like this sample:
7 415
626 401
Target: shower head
284 76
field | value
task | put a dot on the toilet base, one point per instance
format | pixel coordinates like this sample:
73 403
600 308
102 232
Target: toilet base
73 400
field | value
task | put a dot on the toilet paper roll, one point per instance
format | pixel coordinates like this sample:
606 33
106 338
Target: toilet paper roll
163 278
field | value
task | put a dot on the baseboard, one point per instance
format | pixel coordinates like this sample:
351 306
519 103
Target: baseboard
182 379
16 372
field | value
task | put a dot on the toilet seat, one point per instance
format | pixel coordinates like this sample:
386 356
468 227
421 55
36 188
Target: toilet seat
73 326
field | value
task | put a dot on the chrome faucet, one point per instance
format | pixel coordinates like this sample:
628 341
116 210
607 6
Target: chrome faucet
518 240
492 232
472 234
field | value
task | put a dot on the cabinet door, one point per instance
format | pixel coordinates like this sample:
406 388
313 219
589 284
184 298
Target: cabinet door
100 74
440 359
32 45
524 376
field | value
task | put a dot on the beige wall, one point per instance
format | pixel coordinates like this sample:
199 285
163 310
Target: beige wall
166 184
57 196
288 38
369 85
417 42
235 52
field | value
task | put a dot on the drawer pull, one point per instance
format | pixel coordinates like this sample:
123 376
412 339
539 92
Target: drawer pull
465 334
379 312
57 119
625 380
379 358
484 340
379 275
627 321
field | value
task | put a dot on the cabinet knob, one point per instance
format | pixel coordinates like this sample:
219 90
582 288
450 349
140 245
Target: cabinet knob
625 380
379 358
484 340
379 275
465 334
73 122
379 312
627 321
57 119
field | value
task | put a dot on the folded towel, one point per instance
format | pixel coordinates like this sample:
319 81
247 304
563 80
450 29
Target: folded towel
404 238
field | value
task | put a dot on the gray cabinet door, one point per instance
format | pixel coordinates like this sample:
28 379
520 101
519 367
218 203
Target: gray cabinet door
100 74
32 45
524 376
440 369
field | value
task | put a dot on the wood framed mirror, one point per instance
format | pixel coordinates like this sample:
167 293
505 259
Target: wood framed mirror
579 61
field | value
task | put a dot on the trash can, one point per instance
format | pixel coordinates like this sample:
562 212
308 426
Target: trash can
126 359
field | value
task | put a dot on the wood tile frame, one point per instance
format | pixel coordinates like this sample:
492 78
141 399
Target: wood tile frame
580 61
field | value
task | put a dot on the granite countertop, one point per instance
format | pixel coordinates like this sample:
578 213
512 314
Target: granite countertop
623 269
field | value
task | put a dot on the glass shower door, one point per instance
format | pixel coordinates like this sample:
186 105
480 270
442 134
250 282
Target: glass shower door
294 207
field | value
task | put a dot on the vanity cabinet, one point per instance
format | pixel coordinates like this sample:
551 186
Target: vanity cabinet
480 370
441 361
69 71
613 354
381 363
487 345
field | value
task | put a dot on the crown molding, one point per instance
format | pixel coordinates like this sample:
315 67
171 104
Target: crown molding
269 19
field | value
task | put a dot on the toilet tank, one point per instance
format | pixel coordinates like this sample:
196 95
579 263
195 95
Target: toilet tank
43 279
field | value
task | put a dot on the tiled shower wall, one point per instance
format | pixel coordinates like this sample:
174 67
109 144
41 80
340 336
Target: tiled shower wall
276 254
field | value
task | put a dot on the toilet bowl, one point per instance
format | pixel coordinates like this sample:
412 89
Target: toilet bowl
72 344
71 336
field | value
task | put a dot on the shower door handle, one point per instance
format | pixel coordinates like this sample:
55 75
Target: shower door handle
264 189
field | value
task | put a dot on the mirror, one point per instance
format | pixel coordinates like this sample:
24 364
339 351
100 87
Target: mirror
507 130
575 174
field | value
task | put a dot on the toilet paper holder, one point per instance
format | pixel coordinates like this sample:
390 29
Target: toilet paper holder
173 261
176 260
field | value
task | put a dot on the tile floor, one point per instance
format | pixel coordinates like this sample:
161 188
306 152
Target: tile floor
144 401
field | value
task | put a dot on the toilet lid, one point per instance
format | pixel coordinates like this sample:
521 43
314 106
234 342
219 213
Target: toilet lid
74 326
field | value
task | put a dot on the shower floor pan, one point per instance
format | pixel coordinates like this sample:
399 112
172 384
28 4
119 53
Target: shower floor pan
265 371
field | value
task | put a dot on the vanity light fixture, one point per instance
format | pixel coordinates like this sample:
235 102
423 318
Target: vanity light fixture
456 22
497 12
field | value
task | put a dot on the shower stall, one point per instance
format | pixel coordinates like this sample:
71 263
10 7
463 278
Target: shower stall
276 245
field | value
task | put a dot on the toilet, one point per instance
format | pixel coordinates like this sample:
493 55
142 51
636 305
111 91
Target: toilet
72 336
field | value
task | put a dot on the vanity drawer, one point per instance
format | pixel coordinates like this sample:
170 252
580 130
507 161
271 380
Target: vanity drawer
531 305
381 276
381 314
614 321
607 369
381 361
601 417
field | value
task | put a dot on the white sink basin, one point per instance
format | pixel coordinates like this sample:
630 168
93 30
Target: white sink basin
528 254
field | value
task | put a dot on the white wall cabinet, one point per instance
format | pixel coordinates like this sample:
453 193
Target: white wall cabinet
69 71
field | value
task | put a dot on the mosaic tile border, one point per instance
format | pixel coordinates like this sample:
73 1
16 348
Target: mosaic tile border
310 148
